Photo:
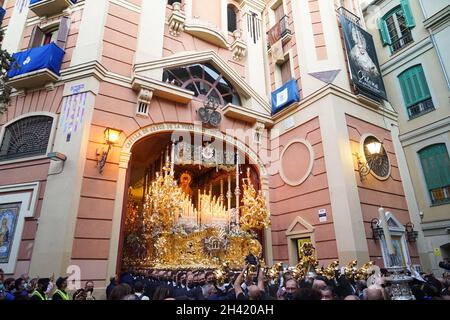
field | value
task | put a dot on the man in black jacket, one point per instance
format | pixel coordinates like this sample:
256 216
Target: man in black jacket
60 293
39 293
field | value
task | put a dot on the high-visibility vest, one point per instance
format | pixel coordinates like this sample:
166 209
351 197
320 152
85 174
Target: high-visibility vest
63 295
37 293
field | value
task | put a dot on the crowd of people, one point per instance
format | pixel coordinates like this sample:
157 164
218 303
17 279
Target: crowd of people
203 285
25 288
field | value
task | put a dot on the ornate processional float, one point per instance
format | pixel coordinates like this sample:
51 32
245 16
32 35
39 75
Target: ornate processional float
170 230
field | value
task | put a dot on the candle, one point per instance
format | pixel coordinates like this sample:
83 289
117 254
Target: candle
387 234
198 208
237 189
172 160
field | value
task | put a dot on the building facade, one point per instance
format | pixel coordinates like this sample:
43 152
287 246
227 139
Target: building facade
146 69
411 39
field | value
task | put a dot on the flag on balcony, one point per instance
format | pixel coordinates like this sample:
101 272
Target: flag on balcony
45 57
285 96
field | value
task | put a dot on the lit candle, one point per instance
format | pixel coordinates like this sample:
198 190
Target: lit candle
237 189
198 207
387 234
172 159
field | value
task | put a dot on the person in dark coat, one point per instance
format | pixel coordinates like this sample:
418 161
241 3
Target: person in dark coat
60 293
113 281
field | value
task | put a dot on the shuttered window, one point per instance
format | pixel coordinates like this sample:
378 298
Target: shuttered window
395 27
285 70
57 34
436 169
415 90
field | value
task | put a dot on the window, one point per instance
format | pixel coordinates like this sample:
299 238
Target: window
50 35
279 13
416 93
55 33
285 70
26 137
436 169
205 81
395 27
232 19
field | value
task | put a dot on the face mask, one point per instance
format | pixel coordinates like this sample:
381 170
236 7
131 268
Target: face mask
202 283
183 282
289 296
190 286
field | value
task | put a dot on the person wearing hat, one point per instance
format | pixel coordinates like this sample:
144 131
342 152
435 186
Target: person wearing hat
39 292
60 293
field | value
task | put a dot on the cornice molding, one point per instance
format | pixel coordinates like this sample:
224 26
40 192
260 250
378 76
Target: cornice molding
206 56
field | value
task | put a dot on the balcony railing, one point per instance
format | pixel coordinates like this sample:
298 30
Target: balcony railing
420 108
279 31
440 195
49 7
402 42
36 67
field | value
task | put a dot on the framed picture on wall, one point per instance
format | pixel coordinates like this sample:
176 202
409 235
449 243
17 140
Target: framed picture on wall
9 214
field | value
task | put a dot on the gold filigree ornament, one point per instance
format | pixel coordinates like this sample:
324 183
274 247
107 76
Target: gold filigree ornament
254 212
350 270
365 271
308 262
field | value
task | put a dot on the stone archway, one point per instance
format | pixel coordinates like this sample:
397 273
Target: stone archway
124 160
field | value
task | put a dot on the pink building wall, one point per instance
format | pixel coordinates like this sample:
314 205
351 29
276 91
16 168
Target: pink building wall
374 193
287 202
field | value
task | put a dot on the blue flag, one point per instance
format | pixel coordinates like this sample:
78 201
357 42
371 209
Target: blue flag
285 96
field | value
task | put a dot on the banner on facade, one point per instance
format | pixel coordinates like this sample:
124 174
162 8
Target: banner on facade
362 59
285 96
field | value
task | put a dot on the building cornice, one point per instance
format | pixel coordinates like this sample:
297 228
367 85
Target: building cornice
335 91
204 56
425 132
258 5
410 53
440 17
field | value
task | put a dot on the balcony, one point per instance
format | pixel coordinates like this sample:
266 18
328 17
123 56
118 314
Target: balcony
35 67
280 31
49 7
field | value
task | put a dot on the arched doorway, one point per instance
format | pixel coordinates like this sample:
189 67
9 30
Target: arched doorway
207 174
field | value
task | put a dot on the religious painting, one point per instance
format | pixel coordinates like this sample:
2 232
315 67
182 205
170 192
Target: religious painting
362 60
9 214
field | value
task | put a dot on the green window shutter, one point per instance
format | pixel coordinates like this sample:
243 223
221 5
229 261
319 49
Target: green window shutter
414 86
384 33
436 166
409 17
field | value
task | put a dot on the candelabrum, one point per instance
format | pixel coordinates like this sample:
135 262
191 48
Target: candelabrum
254 213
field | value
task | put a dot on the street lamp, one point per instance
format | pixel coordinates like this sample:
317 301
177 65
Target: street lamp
374 149
111 137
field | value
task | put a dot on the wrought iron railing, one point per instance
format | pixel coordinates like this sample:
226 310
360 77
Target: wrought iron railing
349 15
279 30
402 42
440 195
420 108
